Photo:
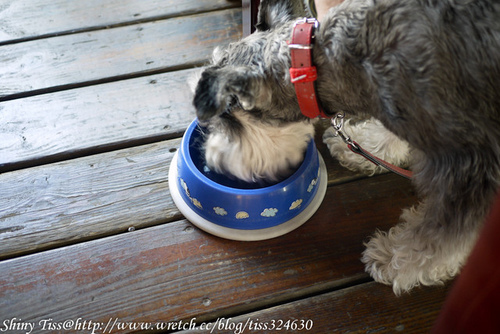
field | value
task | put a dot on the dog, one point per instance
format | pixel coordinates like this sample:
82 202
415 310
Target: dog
419 80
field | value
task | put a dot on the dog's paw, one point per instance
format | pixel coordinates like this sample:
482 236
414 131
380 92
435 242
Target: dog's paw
404 259
373 137
377 258
401 272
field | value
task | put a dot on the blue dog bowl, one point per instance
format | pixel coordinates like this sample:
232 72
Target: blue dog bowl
238 210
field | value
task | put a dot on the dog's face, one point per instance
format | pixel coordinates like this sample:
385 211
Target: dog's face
245 99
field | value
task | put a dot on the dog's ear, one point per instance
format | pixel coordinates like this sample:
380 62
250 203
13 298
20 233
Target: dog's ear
205 97
219 86
273 13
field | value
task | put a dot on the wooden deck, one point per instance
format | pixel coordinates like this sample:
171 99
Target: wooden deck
93 102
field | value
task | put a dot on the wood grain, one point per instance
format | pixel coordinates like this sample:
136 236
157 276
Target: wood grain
364 308
173 271
117 113
25 19
109 54
85 198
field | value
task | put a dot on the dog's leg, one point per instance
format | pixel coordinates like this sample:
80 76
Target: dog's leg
433 240
374 138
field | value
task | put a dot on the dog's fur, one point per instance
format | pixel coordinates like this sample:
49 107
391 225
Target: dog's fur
424 75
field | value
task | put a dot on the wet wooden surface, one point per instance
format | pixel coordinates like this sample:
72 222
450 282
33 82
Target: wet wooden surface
93 102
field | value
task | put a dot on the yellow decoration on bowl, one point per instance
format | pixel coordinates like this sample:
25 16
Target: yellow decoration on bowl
296 204
242 215
197 203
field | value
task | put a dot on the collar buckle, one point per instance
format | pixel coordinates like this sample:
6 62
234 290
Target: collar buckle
308 20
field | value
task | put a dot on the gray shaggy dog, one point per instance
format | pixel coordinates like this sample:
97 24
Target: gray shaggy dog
422 79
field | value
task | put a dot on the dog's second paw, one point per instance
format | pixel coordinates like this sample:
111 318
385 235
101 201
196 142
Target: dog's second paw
373 137
354 162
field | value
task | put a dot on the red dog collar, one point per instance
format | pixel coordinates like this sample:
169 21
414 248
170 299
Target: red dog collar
303 73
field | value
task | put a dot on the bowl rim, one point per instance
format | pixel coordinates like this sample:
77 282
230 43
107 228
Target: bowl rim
186 154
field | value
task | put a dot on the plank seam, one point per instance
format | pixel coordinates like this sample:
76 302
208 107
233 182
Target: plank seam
121 77
69 243
263 305
85 152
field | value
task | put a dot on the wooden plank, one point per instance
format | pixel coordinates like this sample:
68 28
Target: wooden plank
109 54
364 308
80 199
105 115
37 205
173 271
26 19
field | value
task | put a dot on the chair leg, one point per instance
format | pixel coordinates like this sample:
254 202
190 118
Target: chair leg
250 8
